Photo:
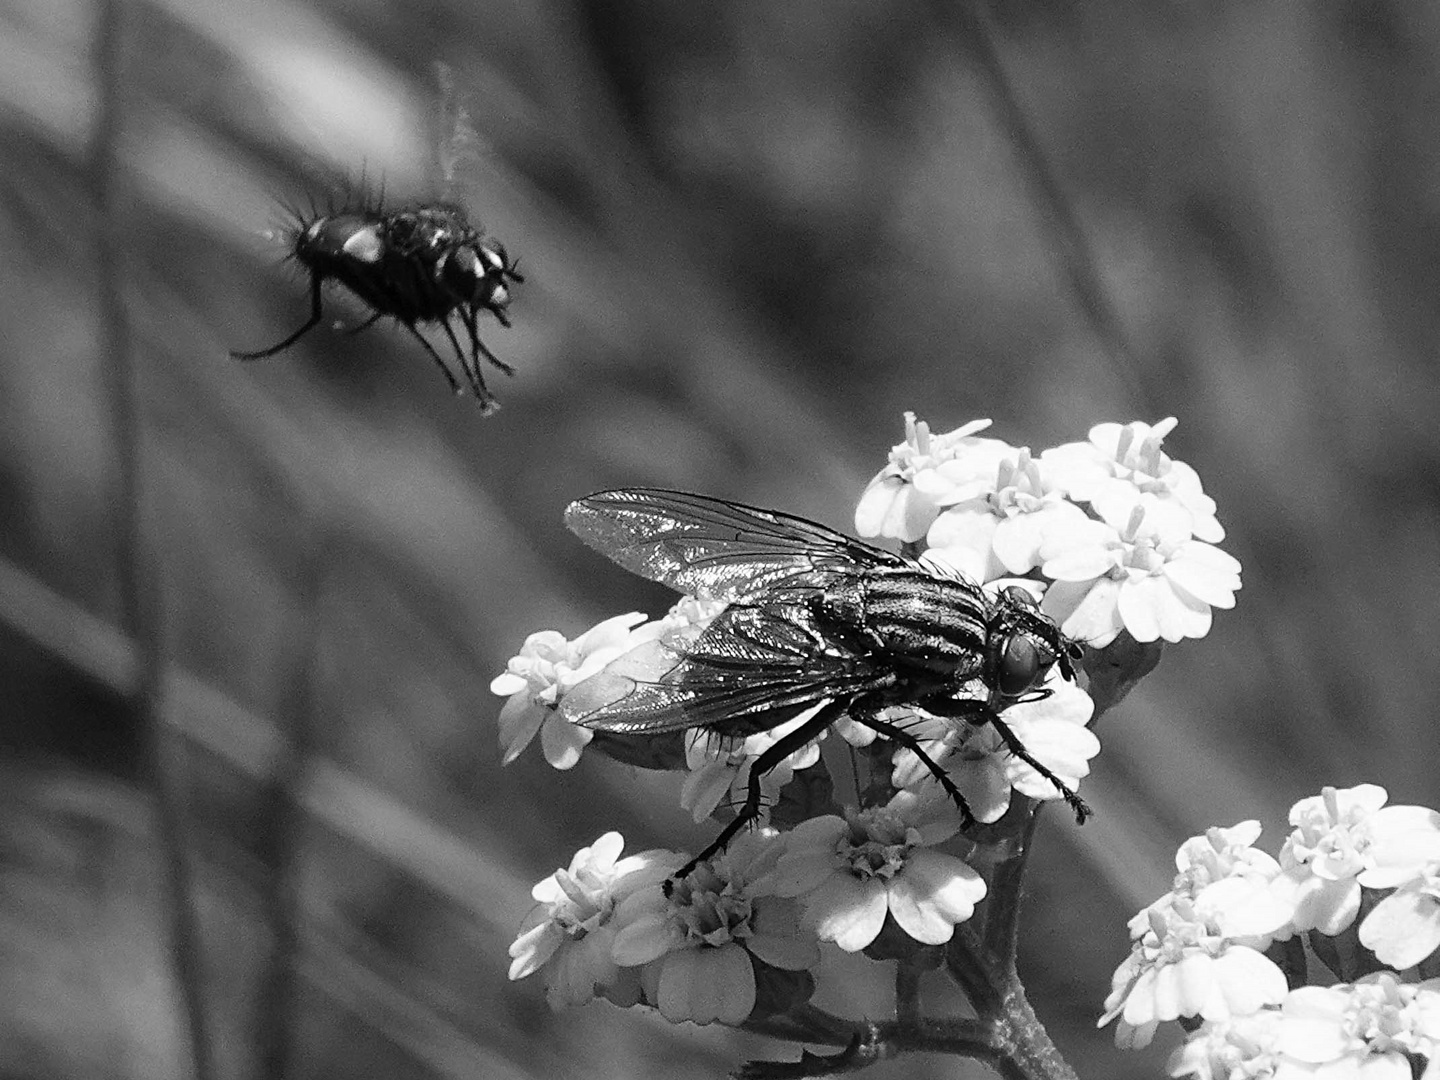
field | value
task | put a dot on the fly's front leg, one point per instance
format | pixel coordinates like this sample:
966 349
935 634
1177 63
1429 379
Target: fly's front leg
905 739
310 324
975 711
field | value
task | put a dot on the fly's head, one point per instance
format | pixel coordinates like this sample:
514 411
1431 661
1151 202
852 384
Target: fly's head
1023 644
480 270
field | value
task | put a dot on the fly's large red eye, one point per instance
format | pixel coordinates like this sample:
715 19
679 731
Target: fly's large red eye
1021 664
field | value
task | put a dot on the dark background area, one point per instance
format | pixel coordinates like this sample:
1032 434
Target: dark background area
753 235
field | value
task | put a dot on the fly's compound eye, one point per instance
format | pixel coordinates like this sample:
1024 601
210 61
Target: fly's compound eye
1022 662
494 256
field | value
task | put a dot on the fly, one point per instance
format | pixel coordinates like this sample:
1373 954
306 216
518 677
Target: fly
422 265
816 620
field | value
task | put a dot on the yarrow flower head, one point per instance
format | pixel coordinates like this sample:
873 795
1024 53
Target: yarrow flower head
1115 534
1369 1028
902 499
851 872
1224 874
1134 579
1000 529
571 929
1348 838
1052 729
1198 950
547 667
707 949
1374 1027
1237 1048
1122 467
1185 962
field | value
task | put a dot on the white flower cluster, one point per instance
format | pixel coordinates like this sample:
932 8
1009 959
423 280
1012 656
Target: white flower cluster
1204 952
1108 534
1119 535
714 945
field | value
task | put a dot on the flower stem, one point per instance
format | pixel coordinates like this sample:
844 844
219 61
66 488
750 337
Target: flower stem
907 991
1020 1047
1030 1054
1002 911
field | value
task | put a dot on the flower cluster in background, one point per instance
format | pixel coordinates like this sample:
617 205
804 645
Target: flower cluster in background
1223 952
1119 535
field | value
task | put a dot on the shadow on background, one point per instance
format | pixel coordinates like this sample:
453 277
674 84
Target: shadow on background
753 235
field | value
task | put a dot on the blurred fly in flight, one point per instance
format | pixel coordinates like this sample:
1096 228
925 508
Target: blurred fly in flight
421 264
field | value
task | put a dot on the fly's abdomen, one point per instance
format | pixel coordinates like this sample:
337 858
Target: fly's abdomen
928 623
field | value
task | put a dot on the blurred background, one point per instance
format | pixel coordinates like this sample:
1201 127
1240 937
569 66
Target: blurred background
753 235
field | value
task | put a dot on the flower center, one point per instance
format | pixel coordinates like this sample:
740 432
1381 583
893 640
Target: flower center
1374 1016
1147 458
877 843
583 913
717 918
1180 929
1018 488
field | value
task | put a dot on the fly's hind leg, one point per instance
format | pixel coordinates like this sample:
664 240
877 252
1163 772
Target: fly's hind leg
310 324
450 378
772 757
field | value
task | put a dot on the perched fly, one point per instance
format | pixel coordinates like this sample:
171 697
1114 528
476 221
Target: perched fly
421 265
815 618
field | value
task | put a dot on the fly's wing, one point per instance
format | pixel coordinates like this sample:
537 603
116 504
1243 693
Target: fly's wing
696 544
754 667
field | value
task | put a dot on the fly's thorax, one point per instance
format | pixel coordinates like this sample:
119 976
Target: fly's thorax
428 232
339 239
937 625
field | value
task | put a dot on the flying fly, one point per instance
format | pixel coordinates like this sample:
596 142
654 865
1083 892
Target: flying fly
422 265
816 620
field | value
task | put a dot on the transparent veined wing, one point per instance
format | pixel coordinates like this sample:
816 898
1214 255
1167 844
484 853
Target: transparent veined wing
754 667
696 544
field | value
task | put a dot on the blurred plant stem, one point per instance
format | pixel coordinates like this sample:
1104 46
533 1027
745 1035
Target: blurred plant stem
969 23
141 603
281 831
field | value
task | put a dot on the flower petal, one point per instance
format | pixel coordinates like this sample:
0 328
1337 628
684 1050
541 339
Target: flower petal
932 893
646 938
706 985
1403 928
1249 980
847 911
